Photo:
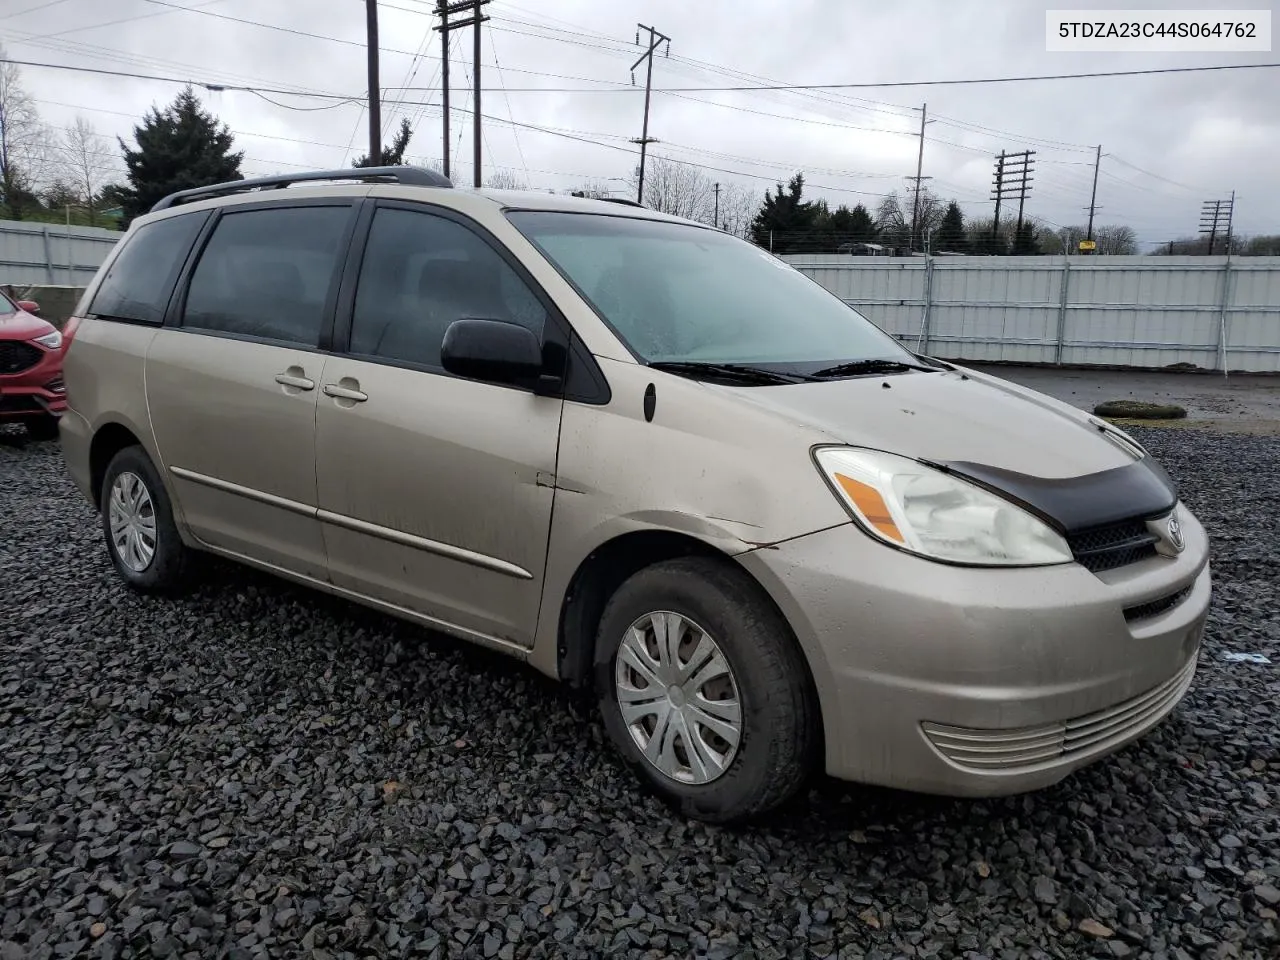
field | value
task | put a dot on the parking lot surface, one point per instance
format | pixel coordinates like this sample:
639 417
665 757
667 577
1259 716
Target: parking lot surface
1239 403
257 770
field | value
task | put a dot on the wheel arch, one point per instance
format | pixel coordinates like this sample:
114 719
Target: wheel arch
108 440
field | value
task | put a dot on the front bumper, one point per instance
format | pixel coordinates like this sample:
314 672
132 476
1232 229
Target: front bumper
36 391
979 682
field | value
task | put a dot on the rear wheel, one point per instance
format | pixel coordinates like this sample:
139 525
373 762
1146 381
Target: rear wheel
704 691
137 520
42 428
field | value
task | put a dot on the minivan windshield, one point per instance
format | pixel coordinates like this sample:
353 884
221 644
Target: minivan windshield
686 297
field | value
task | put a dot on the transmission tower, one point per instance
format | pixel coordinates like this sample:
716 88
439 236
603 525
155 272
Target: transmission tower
443 10
1012 179
656 39
1215 218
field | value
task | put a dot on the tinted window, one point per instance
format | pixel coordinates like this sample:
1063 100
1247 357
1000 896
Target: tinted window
682 293
140 279
267 273
422 272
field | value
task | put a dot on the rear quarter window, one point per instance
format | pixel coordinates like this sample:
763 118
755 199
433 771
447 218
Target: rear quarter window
140 279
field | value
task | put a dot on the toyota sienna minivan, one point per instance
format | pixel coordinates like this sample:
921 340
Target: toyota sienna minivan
646 457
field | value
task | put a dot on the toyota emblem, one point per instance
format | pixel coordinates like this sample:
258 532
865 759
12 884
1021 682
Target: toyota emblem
1175 534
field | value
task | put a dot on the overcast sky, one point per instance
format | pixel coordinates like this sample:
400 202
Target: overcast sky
1169 141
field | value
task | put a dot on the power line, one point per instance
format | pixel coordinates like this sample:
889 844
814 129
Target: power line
922 83
39 6
515 134
113 23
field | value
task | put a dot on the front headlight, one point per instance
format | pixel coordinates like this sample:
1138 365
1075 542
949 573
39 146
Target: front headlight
928 512
51 340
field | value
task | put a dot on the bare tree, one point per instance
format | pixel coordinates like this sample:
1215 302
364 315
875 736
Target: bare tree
506 180
1114 240
592 190
678 189
85 159
23 142
738 208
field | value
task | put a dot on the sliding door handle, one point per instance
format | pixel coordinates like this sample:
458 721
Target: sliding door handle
345 393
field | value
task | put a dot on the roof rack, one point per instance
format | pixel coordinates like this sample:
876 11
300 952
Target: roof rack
408 176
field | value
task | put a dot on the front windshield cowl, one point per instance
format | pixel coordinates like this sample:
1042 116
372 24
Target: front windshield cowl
678 293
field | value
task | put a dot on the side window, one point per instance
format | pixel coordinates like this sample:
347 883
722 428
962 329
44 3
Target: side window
266 273
422 272
140 279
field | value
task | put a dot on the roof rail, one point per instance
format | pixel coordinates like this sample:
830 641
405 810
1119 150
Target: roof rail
629 203
408 176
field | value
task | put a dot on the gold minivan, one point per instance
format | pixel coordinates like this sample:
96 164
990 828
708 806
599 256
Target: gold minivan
645 457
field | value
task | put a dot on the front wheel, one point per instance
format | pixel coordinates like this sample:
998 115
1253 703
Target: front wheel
703 689
137 520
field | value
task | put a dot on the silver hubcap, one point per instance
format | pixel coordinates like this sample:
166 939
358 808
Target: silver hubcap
678 697
132 516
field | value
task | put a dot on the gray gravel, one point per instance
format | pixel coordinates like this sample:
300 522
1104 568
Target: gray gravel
258 770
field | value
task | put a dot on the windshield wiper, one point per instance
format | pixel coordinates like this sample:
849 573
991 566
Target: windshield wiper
854 367
740 372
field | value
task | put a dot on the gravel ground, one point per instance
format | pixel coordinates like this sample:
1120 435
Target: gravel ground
258 770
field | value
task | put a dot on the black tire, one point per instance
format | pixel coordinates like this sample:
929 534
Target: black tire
43 428
777 749
172 559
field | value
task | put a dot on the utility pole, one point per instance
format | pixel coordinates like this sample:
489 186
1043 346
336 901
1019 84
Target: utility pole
715 220
443 10
1093 197
375 87
1013 175
655 40
915 206
1216 215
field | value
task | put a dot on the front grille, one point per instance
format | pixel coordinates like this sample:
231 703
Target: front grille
1153 608
19 403
16 357
1112 546
1009 750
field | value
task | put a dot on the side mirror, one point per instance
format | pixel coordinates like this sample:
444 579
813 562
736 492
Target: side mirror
492 350
30 306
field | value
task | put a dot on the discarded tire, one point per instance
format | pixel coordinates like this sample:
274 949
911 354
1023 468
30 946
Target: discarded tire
1139 410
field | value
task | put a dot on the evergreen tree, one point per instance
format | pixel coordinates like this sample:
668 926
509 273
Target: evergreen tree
181 147
950 236
1025 243
853 226
392 156
784 217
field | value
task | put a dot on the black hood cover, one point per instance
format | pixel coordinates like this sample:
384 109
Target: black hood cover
1138 491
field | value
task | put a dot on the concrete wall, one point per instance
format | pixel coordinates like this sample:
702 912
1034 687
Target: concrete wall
49 253
1148 311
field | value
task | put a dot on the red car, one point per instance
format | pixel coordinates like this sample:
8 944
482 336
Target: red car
31 352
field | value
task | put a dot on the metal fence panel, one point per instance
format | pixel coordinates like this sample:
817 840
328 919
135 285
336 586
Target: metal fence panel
51 253
1140 311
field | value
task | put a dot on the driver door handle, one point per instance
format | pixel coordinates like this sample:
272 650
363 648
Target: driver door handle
288 380
345 393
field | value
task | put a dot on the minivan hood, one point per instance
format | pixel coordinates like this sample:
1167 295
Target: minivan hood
950 416
20 325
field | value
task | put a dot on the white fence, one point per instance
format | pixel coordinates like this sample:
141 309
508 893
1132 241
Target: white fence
1149 311
50 253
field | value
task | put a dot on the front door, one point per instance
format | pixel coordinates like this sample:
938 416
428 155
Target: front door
232 391
435 491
